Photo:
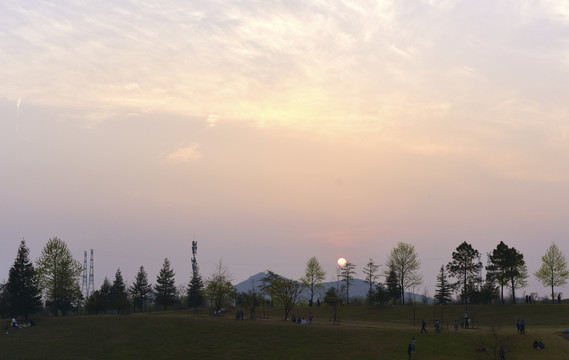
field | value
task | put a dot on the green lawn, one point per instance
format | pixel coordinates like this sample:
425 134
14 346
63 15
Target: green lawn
364 333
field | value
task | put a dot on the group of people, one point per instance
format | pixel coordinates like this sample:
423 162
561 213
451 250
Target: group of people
301 320
538 345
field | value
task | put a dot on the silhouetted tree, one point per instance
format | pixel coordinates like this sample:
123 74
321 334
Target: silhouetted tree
165 287
347 273
195 290
443 288
119 296
140 289
286 292
23 293
392 284
371 276
464 266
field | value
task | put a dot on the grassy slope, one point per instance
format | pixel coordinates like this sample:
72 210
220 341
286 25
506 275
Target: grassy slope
365 333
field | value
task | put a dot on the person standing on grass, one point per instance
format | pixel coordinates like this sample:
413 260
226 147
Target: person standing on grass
310 316
410 350
456 325
502 354
519 326
523 328
423 326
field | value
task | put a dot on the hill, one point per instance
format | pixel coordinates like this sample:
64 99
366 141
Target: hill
358 288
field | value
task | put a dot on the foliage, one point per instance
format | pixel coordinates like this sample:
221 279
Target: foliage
3 301
219 289
496 270
507 267
195 290
380 294
464 267
553 271
248 299
314 274
58 275
140 289
405 263
370 271
23 294
392 284
443 288
119 296
165 287
347 273
286 292
99 301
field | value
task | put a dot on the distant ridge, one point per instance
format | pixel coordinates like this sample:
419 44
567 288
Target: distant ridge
358 288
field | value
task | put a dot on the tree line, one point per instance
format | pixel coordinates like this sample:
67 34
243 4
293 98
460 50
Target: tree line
53 283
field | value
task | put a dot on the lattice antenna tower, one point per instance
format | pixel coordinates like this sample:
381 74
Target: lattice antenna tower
91 285
84 289
194 261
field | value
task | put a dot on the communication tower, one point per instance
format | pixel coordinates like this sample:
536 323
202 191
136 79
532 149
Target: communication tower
194 261
84 289
91 285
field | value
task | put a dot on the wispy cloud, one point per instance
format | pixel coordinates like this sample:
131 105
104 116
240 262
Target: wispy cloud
185 154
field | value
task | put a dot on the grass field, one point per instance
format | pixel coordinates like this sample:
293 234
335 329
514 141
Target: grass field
363 333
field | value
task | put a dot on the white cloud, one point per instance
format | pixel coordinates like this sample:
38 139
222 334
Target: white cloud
185 154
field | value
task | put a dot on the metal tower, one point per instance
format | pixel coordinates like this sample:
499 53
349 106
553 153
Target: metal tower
91 285
84 289
194 261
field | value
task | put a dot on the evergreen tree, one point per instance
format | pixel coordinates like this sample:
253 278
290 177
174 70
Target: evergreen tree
496 270
140 289
119 297
443 288
195 290
3 301
165 286
392 284
464 267
371 276
59 275
347 273
22 290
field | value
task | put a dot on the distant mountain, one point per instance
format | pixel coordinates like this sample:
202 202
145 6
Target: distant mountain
358 288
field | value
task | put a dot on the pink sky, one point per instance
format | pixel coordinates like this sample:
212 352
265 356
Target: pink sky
275 132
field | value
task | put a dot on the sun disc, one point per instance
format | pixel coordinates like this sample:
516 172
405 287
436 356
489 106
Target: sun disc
342 262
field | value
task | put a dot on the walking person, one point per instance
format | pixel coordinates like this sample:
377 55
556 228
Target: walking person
523 328
410 350
423 326
519 327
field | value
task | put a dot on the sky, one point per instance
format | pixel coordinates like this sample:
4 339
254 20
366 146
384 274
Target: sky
274 131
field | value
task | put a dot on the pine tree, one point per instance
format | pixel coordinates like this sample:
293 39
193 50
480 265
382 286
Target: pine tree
443 288
371 276
347 273
195 290
140 289
392 284
22 290
165 286
119 298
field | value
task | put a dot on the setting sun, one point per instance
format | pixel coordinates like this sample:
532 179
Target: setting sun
342 262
